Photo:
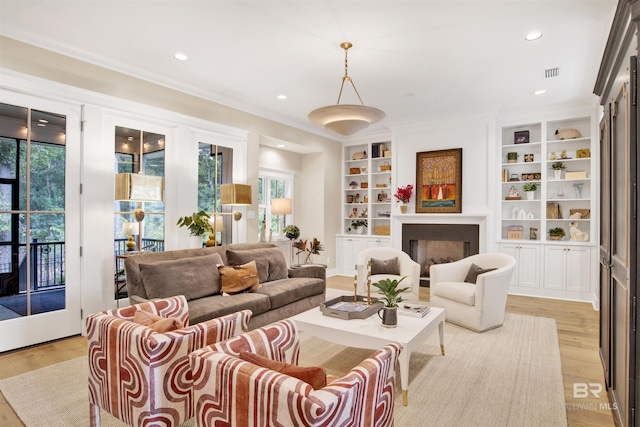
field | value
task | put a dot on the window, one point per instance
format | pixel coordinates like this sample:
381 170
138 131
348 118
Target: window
139 151
215 167
273 185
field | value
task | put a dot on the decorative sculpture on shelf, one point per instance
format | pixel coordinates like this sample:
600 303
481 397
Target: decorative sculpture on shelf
513 191
533 233
576 234
578 187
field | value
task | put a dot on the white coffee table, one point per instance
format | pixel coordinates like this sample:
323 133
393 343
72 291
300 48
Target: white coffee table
369 333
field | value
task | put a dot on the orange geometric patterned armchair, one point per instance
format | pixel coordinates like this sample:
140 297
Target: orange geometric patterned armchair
229 391
142 377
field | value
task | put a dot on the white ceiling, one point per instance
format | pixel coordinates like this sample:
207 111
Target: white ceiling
415 60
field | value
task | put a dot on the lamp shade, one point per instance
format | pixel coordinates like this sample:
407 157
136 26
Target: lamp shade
281 206
235 194
216 223
136 187
346 119
130 228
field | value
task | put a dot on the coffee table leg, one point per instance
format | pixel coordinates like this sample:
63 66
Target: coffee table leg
441 332
404 374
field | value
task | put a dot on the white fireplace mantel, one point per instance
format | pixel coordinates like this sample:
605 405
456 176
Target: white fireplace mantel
479 218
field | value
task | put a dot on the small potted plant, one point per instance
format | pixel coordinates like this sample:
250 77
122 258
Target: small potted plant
403 195
558 167
357 225
556 233
292 232
530 189
391 298
198 224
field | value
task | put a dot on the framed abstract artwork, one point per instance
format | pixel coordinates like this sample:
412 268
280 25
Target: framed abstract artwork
439 181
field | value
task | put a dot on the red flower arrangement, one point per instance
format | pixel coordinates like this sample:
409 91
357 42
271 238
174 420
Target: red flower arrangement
404 194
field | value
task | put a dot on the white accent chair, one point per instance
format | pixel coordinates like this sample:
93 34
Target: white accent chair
408 268
478 306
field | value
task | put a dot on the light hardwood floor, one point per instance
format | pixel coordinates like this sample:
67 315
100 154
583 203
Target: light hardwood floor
577 335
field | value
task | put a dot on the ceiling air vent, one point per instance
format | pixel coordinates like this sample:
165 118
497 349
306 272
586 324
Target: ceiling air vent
551 72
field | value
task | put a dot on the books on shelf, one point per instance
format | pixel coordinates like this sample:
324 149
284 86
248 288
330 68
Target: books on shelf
413 310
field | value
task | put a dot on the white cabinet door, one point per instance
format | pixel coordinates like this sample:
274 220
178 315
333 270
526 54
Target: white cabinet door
568 268
529 266
376 242
555 267
527 270
348 249
578 268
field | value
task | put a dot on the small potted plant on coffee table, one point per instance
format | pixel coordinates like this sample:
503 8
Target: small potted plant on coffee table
391 298
556 233
530 189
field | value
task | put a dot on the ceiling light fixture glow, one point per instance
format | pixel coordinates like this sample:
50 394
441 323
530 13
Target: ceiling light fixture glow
540 92
180 56
280 145
282 96
534 35
346 119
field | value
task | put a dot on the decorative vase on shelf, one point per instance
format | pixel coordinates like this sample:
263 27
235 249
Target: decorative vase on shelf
530 194
578 188
360 230
403 209
557 174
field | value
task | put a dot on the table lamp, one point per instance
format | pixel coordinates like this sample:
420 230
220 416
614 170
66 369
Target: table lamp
130 229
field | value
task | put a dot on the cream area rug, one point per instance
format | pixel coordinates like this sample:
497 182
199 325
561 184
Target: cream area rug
510 376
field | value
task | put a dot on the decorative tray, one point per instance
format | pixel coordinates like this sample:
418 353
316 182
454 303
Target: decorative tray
345 308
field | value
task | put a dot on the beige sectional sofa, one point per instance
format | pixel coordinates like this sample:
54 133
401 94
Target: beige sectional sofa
194 273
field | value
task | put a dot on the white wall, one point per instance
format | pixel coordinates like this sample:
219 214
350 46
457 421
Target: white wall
476 135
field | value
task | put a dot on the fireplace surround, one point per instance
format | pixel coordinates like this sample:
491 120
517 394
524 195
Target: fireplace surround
437 243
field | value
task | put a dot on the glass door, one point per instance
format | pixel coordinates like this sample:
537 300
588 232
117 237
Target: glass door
39 279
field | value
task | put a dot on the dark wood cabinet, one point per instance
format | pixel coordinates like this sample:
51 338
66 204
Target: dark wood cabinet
618 228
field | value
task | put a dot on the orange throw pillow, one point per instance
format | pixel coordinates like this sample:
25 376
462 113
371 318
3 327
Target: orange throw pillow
239 278
315 376
155 322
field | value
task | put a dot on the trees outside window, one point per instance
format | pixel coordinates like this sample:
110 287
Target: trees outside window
273 185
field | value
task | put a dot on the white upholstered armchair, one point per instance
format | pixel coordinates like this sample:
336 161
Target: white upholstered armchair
478 306
406 267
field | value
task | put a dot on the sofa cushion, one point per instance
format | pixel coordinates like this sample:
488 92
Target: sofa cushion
214 306
155 322
285 291
270 261
193 277
462 292
315 376
385 266
475 271
239 278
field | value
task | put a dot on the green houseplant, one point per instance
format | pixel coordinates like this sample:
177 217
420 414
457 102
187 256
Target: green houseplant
556 233
292 232
391 298
558 167
530 189
357 225
198 224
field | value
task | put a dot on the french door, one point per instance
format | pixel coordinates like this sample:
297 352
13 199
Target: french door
39 220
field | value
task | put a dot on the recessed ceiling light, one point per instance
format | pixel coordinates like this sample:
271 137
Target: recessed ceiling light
41 124
282 96
180 56
540 92
280 145
535 35
43 121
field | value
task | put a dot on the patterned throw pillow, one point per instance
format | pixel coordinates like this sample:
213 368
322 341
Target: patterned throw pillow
155 322
315 376
239 278
475 271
